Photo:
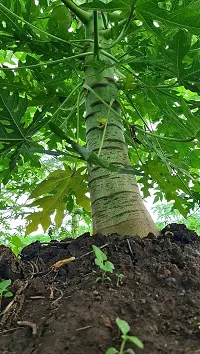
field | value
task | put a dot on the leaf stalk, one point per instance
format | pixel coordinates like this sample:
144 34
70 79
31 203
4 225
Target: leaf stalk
96 35
165 137
83 15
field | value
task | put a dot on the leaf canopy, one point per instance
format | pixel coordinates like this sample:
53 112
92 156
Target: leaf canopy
156 56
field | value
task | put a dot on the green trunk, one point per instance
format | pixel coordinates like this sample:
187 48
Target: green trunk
117 206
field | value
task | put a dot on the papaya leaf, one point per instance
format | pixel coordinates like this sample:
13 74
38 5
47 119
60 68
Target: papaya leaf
188 18
192 120
113 5
12 109
37 219
13 130
52 196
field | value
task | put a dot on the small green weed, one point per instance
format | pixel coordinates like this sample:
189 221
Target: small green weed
125 328
102 262
4 292
120 279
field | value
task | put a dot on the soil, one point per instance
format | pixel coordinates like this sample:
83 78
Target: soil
61 308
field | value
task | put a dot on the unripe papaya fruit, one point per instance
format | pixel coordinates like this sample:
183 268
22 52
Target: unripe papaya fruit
115 16
60 21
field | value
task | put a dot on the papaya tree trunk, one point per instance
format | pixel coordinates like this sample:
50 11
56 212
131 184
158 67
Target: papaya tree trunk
116 203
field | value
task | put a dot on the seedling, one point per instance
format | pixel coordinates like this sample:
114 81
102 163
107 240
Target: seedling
120 279
125 328
102 262
4 292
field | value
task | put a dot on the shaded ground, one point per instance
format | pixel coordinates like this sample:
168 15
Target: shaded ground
74 314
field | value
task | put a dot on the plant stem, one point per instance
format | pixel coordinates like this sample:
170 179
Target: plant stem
105 103
124 29
165 137
84 16
122 347
138 112
78 117
108 31
96 35
50 62
104 131
108 55
101 99
103 276
104 20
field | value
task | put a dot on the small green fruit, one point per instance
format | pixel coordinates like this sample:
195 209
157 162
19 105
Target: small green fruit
60 21
115 16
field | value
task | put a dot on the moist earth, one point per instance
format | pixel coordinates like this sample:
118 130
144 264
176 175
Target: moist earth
61 308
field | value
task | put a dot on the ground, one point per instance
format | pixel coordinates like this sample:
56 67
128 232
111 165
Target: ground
63 309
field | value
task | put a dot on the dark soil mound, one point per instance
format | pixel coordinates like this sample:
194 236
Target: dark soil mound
65 310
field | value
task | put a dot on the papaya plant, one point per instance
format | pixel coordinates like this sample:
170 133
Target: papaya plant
110 90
